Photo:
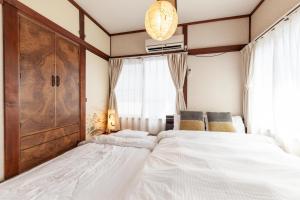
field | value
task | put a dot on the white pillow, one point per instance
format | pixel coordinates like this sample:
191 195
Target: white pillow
176 122
131 134
238 124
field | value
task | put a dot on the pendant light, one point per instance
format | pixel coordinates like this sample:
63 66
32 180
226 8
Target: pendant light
161 20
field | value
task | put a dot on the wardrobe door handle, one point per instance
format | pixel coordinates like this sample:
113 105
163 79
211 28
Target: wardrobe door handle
57 81
53 81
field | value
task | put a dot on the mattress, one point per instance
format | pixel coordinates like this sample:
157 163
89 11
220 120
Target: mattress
101 169
212 166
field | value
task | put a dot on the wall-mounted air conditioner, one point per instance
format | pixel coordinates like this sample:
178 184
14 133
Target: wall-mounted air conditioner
175 43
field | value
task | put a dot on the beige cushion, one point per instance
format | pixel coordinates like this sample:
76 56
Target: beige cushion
191 120
220 122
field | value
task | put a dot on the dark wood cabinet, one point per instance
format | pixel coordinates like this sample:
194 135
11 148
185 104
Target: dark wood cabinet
49 93
67 90
37 65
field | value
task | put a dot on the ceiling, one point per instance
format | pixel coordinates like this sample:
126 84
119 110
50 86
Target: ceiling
128 15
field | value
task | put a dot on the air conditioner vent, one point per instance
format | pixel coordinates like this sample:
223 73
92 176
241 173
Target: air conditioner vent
176 43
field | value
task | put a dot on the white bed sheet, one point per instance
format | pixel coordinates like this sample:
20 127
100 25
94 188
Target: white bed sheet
217 166
91 171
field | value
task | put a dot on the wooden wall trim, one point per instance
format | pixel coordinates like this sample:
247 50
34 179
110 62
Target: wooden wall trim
82 93
215 20
81 25
11 91
220 49
89 16
56 28
185 34
198 51
187 24
146 54
257 7
128 32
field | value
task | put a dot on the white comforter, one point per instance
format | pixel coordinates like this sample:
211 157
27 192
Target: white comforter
102 169
217 166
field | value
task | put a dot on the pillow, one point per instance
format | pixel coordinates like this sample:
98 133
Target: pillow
131 134
176 122
190 120
238 124
220 122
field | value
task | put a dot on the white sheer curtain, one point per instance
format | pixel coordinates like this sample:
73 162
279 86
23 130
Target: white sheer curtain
145 94
275 95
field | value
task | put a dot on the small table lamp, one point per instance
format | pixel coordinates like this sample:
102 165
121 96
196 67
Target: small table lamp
111 121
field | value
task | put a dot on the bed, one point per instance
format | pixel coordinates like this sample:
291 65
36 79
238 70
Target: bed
190 165
102 168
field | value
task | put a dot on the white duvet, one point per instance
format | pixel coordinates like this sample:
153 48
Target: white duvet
217 166
101 169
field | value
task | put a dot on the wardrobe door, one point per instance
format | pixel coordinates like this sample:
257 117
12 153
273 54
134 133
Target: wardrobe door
67 90
37 66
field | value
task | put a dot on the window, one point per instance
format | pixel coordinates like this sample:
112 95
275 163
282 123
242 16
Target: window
145 89
274 92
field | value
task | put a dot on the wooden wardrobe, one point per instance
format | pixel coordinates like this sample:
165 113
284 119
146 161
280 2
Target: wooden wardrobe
49 93
44 97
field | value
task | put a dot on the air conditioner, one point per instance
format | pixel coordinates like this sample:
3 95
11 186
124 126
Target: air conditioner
175 43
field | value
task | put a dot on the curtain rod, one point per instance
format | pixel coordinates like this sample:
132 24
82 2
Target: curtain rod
284 18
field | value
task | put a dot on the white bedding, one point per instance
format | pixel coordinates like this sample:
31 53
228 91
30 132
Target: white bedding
217 166
100 170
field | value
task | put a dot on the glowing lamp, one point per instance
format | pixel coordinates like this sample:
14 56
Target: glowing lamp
161 20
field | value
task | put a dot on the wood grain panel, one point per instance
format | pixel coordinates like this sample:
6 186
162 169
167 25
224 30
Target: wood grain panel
39 154
67 92
11 91
37 59
41 138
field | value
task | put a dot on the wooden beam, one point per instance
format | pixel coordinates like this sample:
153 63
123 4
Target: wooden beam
81 25
129 32
146 54
185 33
209 50
215 20
55 27
188 24
220 49
89 16
11 91
257 7
82 93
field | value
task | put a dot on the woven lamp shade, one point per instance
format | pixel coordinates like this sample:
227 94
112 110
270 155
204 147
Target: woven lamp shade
161 20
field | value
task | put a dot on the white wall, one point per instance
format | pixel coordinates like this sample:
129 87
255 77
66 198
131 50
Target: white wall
1 101
96 36
215 83
268 13
97 88
221 33
61 12
131 44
